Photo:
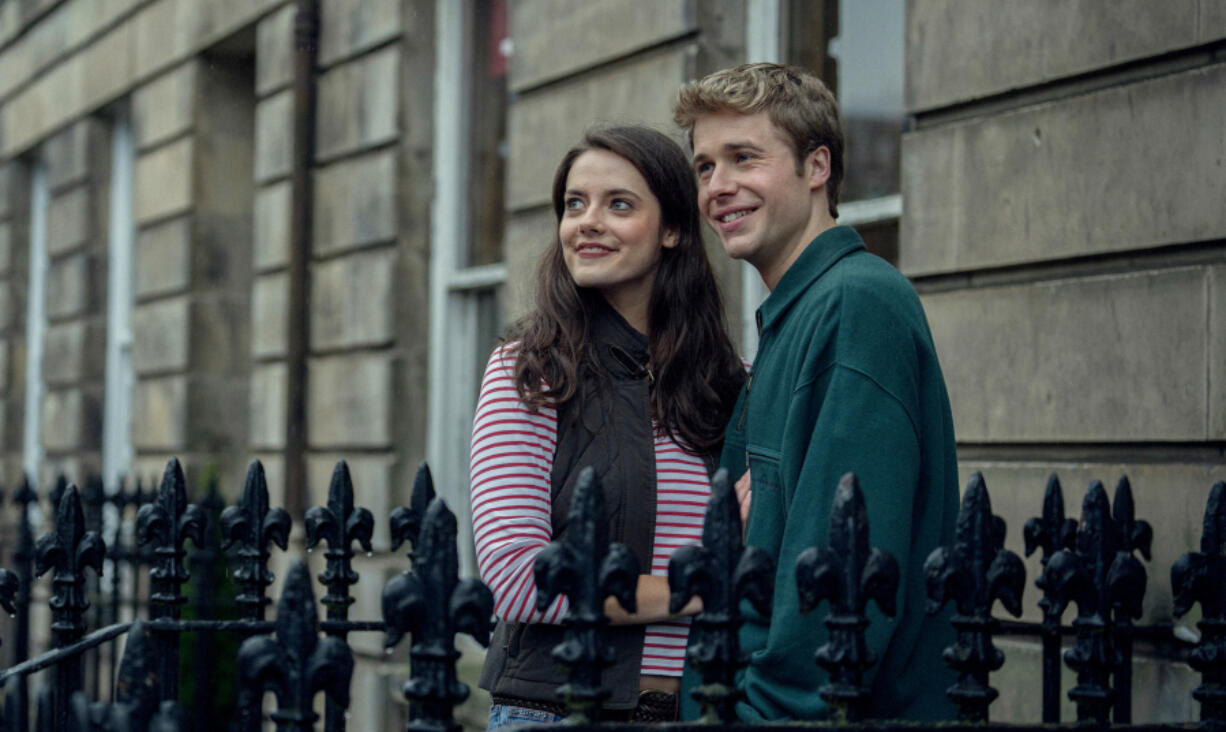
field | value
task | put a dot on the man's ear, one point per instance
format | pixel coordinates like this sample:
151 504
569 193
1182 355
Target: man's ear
817 167
670 238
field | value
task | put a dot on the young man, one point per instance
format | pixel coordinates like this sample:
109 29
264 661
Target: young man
846 379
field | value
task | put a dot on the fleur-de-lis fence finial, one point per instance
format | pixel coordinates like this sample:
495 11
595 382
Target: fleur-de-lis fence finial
1050 532
1097 576
722 571
585 567
339 524
849 574
975 572
1133 535
69 550
432 604
1200 577
405 523
253 525
167 523
298 663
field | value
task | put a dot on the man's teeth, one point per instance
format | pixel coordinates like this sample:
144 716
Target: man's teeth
733 216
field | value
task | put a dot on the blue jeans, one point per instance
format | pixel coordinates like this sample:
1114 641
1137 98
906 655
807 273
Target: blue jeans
505 715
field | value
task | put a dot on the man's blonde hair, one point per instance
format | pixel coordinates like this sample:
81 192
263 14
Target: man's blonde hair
798 103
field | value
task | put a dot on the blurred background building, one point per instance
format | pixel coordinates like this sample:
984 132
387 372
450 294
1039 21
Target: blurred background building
1049 174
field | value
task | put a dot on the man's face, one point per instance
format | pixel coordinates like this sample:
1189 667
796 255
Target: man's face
749 190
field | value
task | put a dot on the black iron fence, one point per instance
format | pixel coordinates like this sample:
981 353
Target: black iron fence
143 572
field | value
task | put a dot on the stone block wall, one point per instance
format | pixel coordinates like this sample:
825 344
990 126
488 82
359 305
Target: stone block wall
1062 222
191 280
565 79
74 347
14 270
367 279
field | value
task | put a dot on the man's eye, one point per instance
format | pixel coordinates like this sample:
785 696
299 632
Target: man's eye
742 157
703 168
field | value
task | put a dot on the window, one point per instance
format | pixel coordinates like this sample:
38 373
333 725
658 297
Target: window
863 65
467 269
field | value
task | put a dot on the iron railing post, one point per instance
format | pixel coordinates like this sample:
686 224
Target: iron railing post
298 662
586 568
253 525
69 550
339 524
166 524
1200 577
723 572
975 572
848 574
432 604
23 559
1051 532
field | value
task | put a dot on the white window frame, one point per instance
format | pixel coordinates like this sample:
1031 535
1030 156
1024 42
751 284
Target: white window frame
32 452
117 449
455 363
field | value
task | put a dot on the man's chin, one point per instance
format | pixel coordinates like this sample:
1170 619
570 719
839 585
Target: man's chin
736 249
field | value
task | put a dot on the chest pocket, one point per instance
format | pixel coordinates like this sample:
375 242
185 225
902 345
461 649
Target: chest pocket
768 509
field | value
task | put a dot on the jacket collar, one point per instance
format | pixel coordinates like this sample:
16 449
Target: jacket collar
620 349
819 256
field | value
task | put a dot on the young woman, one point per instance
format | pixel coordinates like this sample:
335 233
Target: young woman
625 365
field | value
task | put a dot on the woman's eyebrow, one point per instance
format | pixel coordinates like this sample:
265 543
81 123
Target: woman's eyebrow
622 192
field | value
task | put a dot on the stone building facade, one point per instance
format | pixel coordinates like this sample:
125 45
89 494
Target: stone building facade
1063 188
1049 176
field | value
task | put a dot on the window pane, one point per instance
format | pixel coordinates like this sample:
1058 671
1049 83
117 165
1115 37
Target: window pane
487 130
867 50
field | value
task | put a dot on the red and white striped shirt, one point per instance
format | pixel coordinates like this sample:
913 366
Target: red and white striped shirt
512 457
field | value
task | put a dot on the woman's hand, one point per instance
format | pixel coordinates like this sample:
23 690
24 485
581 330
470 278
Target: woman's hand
744 493
651 597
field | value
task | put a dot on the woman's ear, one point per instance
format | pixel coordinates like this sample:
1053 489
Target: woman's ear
670 238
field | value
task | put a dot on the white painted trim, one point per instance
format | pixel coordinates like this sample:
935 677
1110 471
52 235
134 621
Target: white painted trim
871 210
117 451
762 30
447 439
485 277
36 323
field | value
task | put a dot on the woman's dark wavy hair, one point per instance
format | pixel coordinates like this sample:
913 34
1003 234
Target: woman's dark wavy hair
697 371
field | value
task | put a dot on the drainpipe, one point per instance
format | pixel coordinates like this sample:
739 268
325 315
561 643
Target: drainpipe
306 52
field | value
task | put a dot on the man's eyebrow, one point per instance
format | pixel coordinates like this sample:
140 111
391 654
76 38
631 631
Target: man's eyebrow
741 145
730 147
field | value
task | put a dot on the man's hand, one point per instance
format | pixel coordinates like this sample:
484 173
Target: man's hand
743 496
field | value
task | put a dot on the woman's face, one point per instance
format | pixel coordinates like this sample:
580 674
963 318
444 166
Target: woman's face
610 231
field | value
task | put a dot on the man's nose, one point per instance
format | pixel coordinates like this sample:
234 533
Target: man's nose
721 182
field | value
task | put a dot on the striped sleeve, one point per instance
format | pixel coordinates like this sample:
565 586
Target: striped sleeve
682 490
510 465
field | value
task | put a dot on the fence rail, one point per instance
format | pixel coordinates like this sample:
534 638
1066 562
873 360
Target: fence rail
1094 563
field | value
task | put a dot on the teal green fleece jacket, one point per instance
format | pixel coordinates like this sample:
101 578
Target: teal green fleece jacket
846 379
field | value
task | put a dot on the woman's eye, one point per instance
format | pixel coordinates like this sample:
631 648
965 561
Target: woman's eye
573 204
620 204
